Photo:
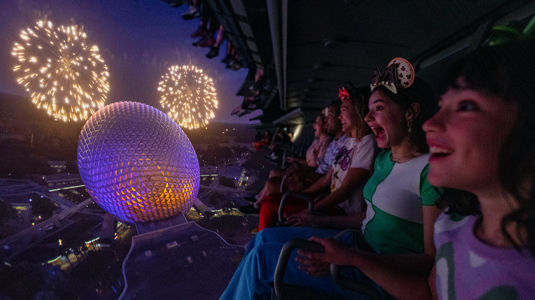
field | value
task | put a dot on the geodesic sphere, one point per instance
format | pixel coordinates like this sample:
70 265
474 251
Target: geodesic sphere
137 163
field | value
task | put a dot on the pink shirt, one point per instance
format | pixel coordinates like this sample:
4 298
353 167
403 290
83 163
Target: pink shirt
317 150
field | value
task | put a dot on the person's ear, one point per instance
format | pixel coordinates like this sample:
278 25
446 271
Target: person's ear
413 112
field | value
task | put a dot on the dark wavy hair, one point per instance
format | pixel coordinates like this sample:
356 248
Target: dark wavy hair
336 104
419 92
359 98
506 71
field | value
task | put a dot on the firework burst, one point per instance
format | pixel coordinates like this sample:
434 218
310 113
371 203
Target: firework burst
64 75
190 96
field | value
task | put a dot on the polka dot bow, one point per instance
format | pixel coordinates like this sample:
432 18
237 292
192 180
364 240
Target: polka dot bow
343 94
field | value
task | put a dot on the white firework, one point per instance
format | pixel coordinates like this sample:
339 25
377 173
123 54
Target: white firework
63 75
188 95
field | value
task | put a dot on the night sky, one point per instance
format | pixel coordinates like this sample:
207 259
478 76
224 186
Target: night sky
138 40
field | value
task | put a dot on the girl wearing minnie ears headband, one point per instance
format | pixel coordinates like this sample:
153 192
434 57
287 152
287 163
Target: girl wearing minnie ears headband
398 222
414 103
483 151
400 201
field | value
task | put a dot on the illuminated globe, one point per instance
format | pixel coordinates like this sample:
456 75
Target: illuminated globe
137 163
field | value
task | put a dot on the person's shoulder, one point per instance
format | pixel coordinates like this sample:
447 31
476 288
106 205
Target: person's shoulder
340 142
452 222
343 138
368 139
350 141
384 155
420 162
423 158
324 140
333 145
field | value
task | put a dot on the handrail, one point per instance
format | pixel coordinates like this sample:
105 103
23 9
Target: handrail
282 220
278 283
346 282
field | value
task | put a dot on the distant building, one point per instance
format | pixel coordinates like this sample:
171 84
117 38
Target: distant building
60 181
58 165
209 171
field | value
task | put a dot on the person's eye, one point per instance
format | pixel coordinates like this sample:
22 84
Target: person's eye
467 105
379 107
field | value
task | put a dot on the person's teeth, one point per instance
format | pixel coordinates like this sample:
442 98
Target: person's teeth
438 150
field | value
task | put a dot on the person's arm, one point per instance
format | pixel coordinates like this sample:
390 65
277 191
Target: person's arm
362 160
354 178
320 185
431 282
339 222
296 160
404 261
323 148
404 276
307 168
395 279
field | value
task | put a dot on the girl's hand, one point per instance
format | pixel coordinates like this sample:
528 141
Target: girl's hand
335 252
292 169
302 219
312 267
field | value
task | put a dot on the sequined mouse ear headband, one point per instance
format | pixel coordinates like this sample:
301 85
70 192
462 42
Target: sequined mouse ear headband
398 74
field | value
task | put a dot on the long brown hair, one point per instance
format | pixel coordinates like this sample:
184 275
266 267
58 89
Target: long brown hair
359 98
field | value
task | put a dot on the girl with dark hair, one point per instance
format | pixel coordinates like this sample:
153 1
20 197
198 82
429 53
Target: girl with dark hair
317 149
483 149
398 221
482 144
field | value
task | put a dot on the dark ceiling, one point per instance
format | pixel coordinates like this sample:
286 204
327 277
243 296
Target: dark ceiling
330 42
314 46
